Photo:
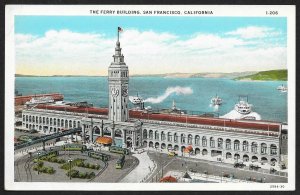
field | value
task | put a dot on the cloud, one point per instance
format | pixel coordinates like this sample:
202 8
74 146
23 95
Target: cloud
251 32
146 52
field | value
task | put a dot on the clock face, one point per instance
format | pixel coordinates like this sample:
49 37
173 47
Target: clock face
114 92
124 91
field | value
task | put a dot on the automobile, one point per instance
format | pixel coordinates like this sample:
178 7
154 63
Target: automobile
172 153
239 165
192 170
254 167
283 166
272 170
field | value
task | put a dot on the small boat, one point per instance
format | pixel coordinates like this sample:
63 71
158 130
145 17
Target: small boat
216 101
282 88
243 107
39 100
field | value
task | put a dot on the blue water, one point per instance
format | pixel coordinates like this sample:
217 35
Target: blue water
266 100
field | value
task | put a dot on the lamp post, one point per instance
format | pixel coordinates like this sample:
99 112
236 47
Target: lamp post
38 162
70 161
222 176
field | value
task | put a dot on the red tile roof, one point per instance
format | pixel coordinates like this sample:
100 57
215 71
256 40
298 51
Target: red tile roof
257 125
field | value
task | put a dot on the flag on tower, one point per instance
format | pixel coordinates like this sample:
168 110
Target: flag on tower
120 29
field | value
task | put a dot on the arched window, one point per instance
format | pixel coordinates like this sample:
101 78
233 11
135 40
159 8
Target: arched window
204 141
254 147
236 145
263 148
96 130
175 137
245 146
156 135
190 139
273 148
163 136
228 144
220 143
145 134
197 140
150 134
169 137
182 138
212 142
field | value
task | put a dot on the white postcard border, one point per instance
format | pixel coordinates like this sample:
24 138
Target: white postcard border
84 10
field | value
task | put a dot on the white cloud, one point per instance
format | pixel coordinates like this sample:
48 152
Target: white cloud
67 52
254 32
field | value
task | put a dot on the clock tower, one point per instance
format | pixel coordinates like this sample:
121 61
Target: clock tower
118 78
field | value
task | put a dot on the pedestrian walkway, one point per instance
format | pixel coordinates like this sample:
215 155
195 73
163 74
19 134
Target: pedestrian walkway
145 167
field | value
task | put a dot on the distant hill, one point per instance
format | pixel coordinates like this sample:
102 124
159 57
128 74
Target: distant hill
199 75
271 75
24 75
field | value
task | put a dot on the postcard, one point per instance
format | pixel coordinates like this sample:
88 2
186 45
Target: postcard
156 97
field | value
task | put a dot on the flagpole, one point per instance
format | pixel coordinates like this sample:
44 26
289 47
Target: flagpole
118 34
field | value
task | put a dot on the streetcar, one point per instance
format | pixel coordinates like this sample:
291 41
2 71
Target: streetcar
117 149
42 153
98 155
74 147
120 162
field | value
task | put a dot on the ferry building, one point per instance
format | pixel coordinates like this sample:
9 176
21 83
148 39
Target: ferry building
245 140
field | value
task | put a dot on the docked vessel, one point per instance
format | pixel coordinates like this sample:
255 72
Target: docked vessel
243 107
242 110
282 88
39 100
216 101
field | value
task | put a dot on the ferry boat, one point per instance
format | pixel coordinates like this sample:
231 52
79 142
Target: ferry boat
242 110
282 88
243 107
39 100
136 100
216 101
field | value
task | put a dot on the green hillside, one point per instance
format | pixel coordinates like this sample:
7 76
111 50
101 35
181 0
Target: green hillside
271 75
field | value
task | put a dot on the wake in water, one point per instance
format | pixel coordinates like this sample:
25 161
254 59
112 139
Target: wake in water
170 90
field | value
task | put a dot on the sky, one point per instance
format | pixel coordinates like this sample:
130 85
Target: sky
84 45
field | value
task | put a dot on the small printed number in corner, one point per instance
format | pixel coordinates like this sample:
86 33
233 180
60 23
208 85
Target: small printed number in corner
277 186
271 12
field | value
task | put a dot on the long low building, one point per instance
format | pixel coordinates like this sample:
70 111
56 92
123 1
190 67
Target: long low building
238 139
